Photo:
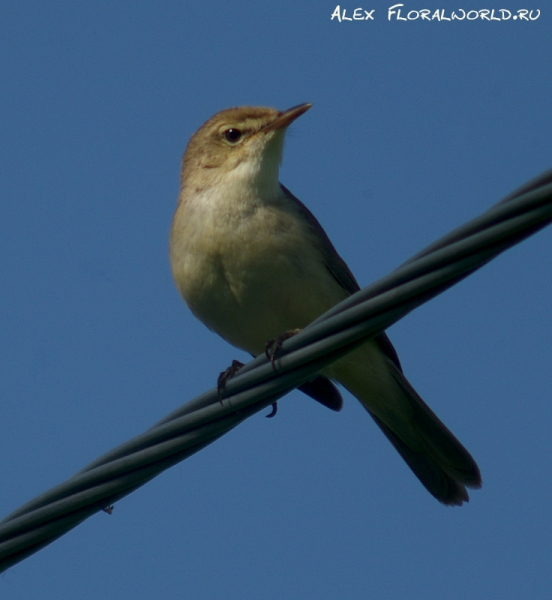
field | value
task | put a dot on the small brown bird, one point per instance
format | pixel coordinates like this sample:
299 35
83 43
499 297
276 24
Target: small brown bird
252 262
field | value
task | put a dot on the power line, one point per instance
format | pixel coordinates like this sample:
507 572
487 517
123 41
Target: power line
204 419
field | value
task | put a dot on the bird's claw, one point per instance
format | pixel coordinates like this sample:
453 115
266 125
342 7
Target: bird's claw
274 410
226 376
273 348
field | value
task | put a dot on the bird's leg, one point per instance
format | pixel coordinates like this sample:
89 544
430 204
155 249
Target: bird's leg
226 376
273 348
320 388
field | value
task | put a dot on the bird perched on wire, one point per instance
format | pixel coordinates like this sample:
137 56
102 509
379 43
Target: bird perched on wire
252 263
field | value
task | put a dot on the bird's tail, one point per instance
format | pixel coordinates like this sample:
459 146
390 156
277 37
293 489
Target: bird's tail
433 453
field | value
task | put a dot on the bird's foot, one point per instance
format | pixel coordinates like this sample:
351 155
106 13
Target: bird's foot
231 372
273 348
225 376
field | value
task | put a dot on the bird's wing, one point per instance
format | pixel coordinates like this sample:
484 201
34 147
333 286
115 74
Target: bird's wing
338 268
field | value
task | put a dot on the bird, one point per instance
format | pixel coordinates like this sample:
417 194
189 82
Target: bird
252 263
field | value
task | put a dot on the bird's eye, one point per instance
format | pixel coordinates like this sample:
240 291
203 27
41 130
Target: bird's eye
232 135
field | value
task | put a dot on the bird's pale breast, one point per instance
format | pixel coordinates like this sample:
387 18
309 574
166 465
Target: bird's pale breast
255 275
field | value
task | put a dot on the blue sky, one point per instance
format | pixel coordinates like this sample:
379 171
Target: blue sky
416 128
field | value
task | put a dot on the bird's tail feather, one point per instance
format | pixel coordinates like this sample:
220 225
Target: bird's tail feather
433 453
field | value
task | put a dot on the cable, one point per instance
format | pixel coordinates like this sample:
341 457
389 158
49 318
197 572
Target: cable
204 419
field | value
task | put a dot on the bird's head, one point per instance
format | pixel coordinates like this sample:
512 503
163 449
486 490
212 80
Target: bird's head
238 147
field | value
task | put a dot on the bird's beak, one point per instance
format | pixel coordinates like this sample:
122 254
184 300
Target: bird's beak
287 117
